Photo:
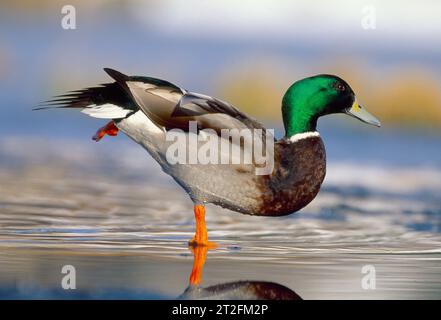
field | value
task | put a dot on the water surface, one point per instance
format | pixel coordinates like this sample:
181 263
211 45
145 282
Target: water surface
109 211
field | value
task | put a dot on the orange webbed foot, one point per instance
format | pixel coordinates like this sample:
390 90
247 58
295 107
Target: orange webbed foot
110 129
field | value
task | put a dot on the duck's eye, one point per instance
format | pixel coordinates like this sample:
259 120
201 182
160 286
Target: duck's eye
340 87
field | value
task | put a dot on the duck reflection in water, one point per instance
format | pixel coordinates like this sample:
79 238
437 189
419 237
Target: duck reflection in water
237 290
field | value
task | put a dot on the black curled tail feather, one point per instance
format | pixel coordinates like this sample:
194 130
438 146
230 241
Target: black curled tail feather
119 77
107 93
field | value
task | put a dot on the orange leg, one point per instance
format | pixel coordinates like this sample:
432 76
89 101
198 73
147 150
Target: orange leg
109 129
201 236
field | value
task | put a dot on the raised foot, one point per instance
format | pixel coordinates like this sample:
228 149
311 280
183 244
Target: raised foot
110 129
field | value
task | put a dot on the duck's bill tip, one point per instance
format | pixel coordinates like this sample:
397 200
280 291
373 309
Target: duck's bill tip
377 124
362 114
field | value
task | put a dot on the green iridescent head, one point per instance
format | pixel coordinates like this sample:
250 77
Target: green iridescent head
310 98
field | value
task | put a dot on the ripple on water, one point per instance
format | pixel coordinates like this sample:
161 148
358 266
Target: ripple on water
63 207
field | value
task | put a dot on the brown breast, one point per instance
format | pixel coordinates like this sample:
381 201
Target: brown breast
299 171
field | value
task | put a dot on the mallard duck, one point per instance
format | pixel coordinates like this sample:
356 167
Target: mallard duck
147 109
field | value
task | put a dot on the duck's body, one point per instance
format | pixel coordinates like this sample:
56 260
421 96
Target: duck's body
147 109
299 170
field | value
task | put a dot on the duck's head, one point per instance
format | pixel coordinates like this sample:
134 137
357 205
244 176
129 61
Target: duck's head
310 98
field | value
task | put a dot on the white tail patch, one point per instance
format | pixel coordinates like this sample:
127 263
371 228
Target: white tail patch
106 111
